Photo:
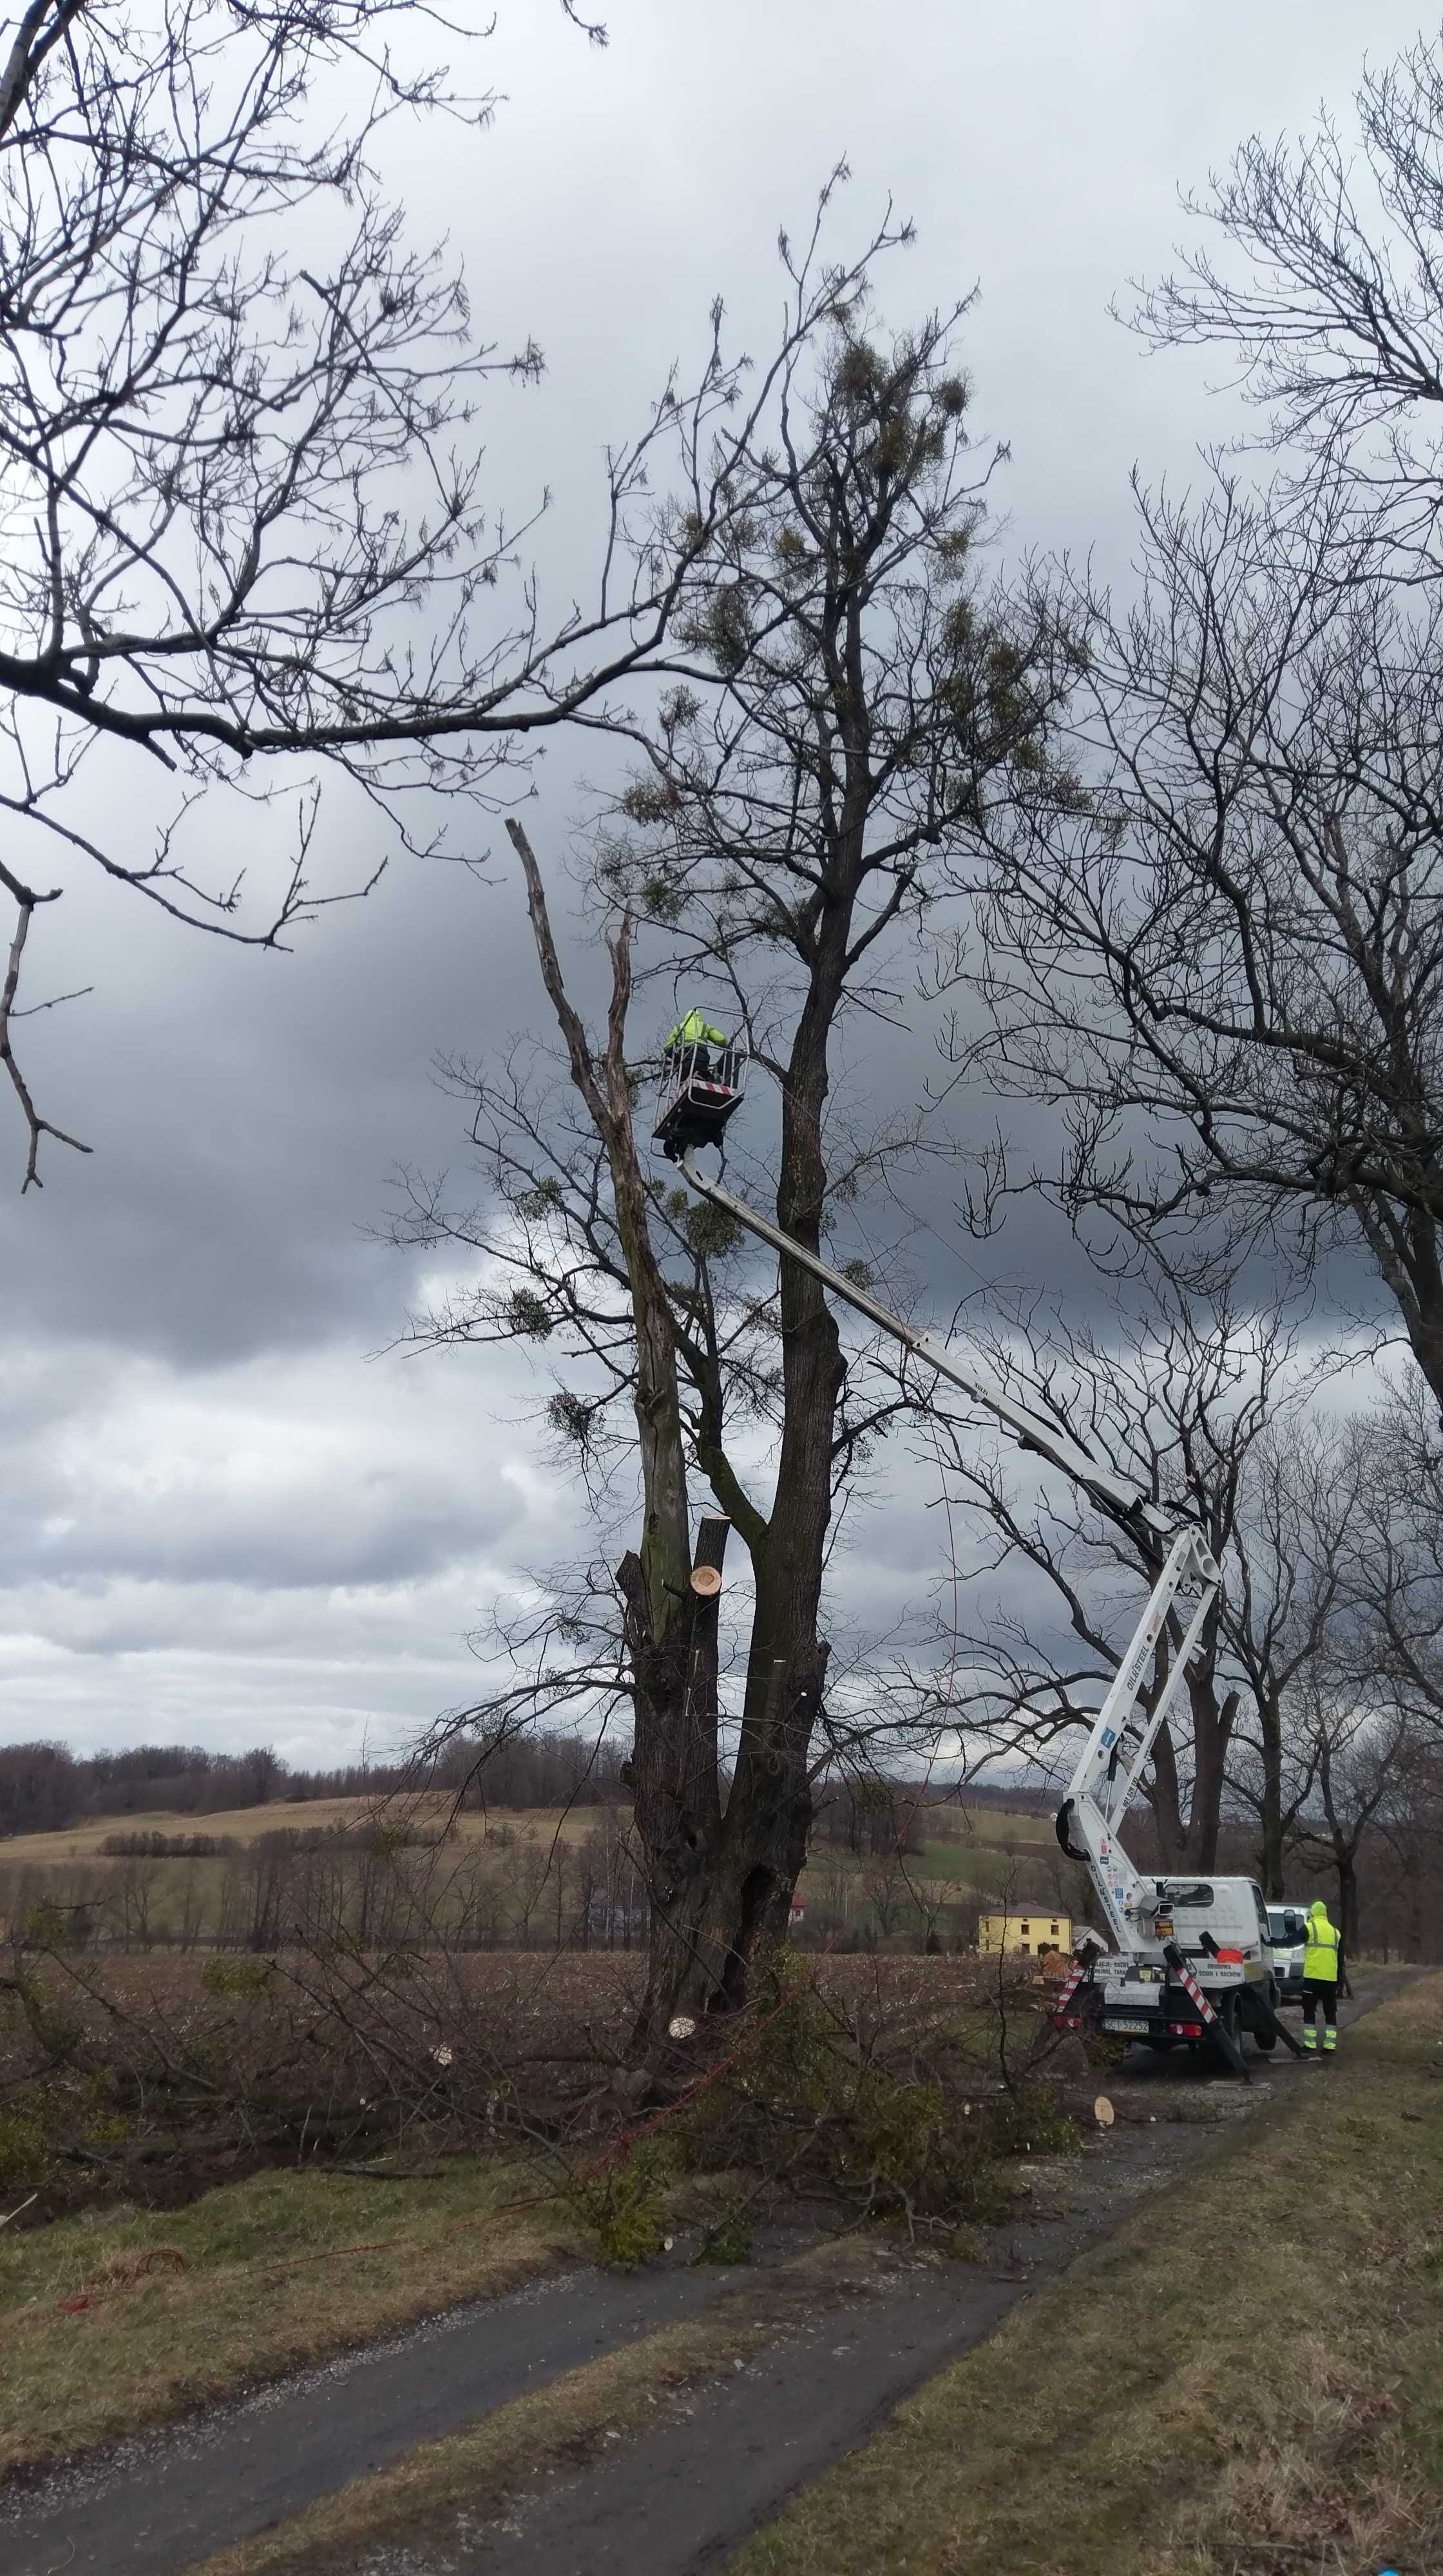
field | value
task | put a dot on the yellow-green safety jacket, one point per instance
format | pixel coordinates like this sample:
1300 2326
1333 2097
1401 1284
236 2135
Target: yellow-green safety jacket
694 1030
1320 1957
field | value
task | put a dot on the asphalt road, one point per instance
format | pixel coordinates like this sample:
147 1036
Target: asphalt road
1142 2066
719 2464
679 2502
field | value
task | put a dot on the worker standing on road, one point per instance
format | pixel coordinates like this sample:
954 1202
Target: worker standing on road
1322 1966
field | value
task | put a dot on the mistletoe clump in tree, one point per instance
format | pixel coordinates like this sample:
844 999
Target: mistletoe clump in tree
780 855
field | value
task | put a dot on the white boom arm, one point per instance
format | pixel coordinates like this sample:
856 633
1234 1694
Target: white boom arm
1110 1768
1101 1786
1033 1430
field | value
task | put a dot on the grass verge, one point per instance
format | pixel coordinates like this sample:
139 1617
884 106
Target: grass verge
115 2321
440 2494
1242 2382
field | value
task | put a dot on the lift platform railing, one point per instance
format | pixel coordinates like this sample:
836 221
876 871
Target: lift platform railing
701 1085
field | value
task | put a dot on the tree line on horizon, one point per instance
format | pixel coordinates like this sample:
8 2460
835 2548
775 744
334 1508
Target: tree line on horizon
45 1786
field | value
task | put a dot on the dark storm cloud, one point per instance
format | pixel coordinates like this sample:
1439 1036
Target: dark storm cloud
199 1291
246 1110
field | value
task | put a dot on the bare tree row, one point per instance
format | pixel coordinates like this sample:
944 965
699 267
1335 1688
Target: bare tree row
1179 864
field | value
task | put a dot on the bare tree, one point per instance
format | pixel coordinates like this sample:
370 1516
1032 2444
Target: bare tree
850 702
1224 952
836 1890
524 1873
1335 1608
1354 1756
1395 1560
1410 1821
1187 1405
1319 269
246 529
1289 1609
888 1892
263 1771
1224 949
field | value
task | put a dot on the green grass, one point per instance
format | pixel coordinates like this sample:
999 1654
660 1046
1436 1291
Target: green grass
984 1861
258 2277
1243 2382
182 1899
972 1868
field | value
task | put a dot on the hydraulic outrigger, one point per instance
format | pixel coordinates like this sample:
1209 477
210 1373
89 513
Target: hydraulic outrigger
1193 1959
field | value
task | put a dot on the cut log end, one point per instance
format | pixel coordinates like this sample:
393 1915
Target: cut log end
706 1582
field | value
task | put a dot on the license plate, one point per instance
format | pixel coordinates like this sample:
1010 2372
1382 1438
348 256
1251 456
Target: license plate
1116 2022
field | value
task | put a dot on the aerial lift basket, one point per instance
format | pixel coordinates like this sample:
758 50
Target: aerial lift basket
701 1085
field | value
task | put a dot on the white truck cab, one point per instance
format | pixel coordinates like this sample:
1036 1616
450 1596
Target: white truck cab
1288 1925
1219 1929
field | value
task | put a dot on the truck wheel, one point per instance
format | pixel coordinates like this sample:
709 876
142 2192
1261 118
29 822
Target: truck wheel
1265 2039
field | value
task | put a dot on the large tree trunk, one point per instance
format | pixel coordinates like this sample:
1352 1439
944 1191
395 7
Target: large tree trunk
1345 1861
719 1884
1270 1728
712 1923
1164 1796
1212 1727
676 1803
726 1901
1191 1842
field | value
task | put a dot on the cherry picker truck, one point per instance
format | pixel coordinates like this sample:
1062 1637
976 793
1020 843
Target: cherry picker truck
1191 1963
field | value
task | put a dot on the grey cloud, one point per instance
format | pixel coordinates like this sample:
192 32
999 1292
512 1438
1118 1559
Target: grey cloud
246 1110
292 1475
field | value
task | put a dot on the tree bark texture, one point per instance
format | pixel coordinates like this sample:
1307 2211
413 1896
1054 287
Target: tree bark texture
720 1883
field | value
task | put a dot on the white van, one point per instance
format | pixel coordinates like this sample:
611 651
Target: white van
1288 1932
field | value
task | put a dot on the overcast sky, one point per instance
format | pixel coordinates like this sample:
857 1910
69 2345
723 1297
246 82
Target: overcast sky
222 1517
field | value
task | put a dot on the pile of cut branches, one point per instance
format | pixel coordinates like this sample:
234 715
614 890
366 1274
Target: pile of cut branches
889 2089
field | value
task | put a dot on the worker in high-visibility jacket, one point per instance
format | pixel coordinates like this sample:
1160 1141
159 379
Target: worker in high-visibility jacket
1322 1967
694 1031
